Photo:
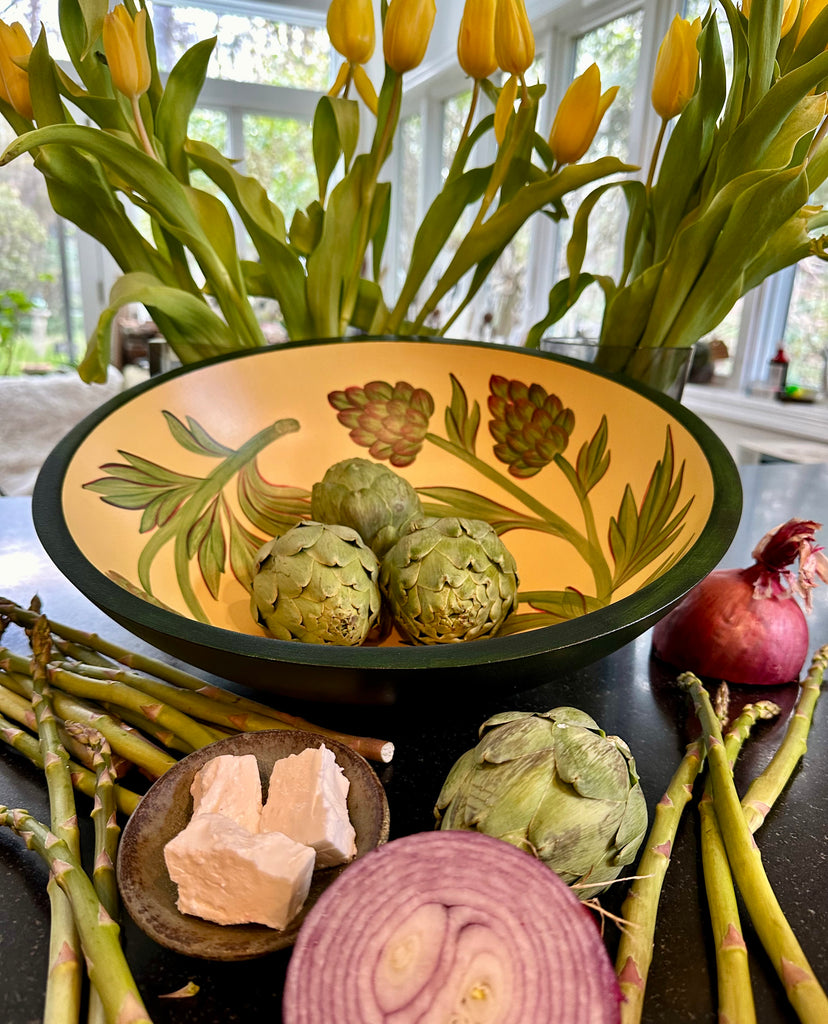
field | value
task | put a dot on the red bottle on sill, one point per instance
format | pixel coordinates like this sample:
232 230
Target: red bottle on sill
778 372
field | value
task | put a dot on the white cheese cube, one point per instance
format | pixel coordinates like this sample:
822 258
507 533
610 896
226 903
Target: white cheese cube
307 800
230 785
229 875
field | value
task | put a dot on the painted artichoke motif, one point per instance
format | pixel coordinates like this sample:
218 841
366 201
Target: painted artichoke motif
529 425
391 421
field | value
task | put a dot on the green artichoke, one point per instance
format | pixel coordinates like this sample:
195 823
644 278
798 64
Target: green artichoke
367 496
317 583
449 579
554 784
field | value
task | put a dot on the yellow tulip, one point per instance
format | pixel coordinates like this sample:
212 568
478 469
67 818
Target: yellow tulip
514 41
677 66
579 116
351 29
789 13
408 25
125 46
475 41
14 81
810 10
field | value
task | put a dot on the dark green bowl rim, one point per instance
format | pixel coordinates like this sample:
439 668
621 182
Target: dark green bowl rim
642 607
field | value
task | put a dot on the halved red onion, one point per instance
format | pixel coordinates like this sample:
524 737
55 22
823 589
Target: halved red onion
449 926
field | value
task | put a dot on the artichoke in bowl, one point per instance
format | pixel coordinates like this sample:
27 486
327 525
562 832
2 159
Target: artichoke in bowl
367 496
449 579
554 784
318 583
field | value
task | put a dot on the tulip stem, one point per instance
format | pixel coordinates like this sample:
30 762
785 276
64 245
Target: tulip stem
141 128
656 151
379 152
455 168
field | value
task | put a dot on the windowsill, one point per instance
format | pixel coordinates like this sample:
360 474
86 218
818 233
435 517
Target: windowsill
804 420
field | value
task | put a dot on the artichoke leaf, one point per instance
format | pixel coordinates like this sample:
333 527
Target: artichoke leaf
591 764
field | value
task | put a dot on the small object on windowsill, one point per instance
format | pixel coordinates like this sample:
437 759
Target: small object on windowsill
778 371
794 393
761 389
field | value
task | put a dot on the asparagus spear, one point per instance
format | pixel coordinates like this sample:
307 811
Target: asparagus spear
63 985
107 832
371 748
99 934
804 992
640 908
127 743
765 789
736 1005
82 779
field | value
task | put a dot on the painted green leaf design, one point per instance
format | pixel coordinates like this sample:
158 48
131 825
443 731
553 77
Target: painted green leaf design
462 424
271 508
639 535
194 437
455 501
242 549
205 540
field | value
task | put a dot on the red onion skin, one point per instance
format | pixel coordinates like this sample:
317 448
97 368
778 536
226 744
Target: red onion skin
721 630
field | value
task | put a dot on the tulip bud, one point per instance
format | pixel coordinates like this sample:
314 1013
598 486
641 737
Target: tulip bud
677 66
351 29
125 46
789 15
579 116
408 25
790 10
475 41
14 81
514 42
810 11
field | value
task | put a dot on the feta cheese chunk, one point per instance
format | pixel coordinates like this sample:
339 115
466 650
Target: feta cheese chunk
230 785
229 875
307 800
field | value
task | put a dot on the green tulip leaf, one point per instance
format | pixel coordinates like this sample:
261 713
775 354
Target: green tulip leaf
209 333
181 93
306 228
763 31
563 295
215 220
332 260
335 134
77 24
266 226
756 213
378 224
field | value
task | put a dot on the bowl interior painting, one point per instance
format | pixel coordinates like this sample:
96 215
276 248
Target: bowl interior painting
607 496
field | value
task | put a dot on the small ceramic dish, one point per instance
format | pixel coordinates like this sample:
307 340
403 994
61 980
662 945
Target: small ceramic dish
148 893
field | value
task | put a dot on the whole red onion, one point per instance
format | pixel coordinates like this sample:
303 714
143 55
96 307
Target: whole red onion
745 625
449 926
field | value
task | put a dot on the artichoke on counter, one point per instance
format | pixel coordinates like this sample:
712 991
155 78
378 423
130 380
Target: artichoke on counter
554 784
318 583
449 579
367 496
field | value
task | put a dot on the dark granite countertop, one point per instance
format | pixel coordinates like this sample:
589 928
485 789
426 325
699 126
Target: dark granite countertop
628 693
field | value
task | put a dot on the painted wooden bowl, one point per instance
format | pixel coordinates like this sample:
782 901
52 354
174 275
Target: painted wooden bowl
613 499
